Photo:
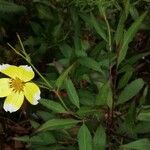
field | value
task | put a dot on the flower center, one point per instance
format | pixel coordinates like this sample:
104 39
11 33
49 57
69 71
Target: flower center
16 85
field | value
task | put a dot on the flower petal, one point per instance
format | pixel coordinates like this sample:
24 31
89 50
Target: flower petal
13 102
32 92
9 70
4 87
24 72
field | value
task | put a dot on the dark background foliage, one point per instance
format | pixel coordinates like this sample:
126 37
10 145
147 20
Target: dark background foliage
95 55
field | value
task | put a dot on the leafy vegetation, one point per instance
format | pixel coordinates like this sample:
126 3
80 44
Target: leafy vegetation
91 59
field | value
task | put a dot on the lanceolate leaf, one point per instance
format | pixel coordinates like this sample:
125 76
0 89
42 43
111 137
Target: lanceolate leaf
100 139
77 40
90 63
128 36
52 105
66 50
57 124
97 27
84 138
125 78
104 96
144 116
120 28
73 96
136 57
142 144
42 138
63 76
130 90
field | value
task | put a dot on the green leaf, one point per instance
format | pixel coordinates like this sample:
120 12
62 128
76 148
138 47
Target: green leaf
63 76
142 144
144 116
136 57
10 7
97 27
129 122
55 124
130 90
66 50
34 124
79 51
52 105
72 93
120 28
134 12
142 127
86 111
84 138
104 96
126 7
44 12
90 63
99 140
125 79
57 31
128 36
43 138
45 115
86 97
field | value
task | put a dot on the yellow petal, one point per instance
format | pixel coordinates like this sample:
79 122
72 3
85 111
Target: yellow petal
9 70
13 102
24 72
32 92
4 87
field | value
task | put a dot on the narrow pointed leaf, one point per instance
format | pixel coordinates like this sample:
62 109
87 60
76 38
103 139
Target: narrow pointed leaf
97 27
130 90
72 93
142 144
99 139
55 124
52 105
125 78
104 96
90 63
63 76
128 36
84 138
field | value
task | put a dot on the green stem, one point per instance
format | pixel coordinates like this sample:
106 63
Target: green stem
61 100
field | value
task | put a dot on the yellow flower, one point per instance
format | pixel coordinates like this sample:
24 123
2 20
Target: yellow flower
18 86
